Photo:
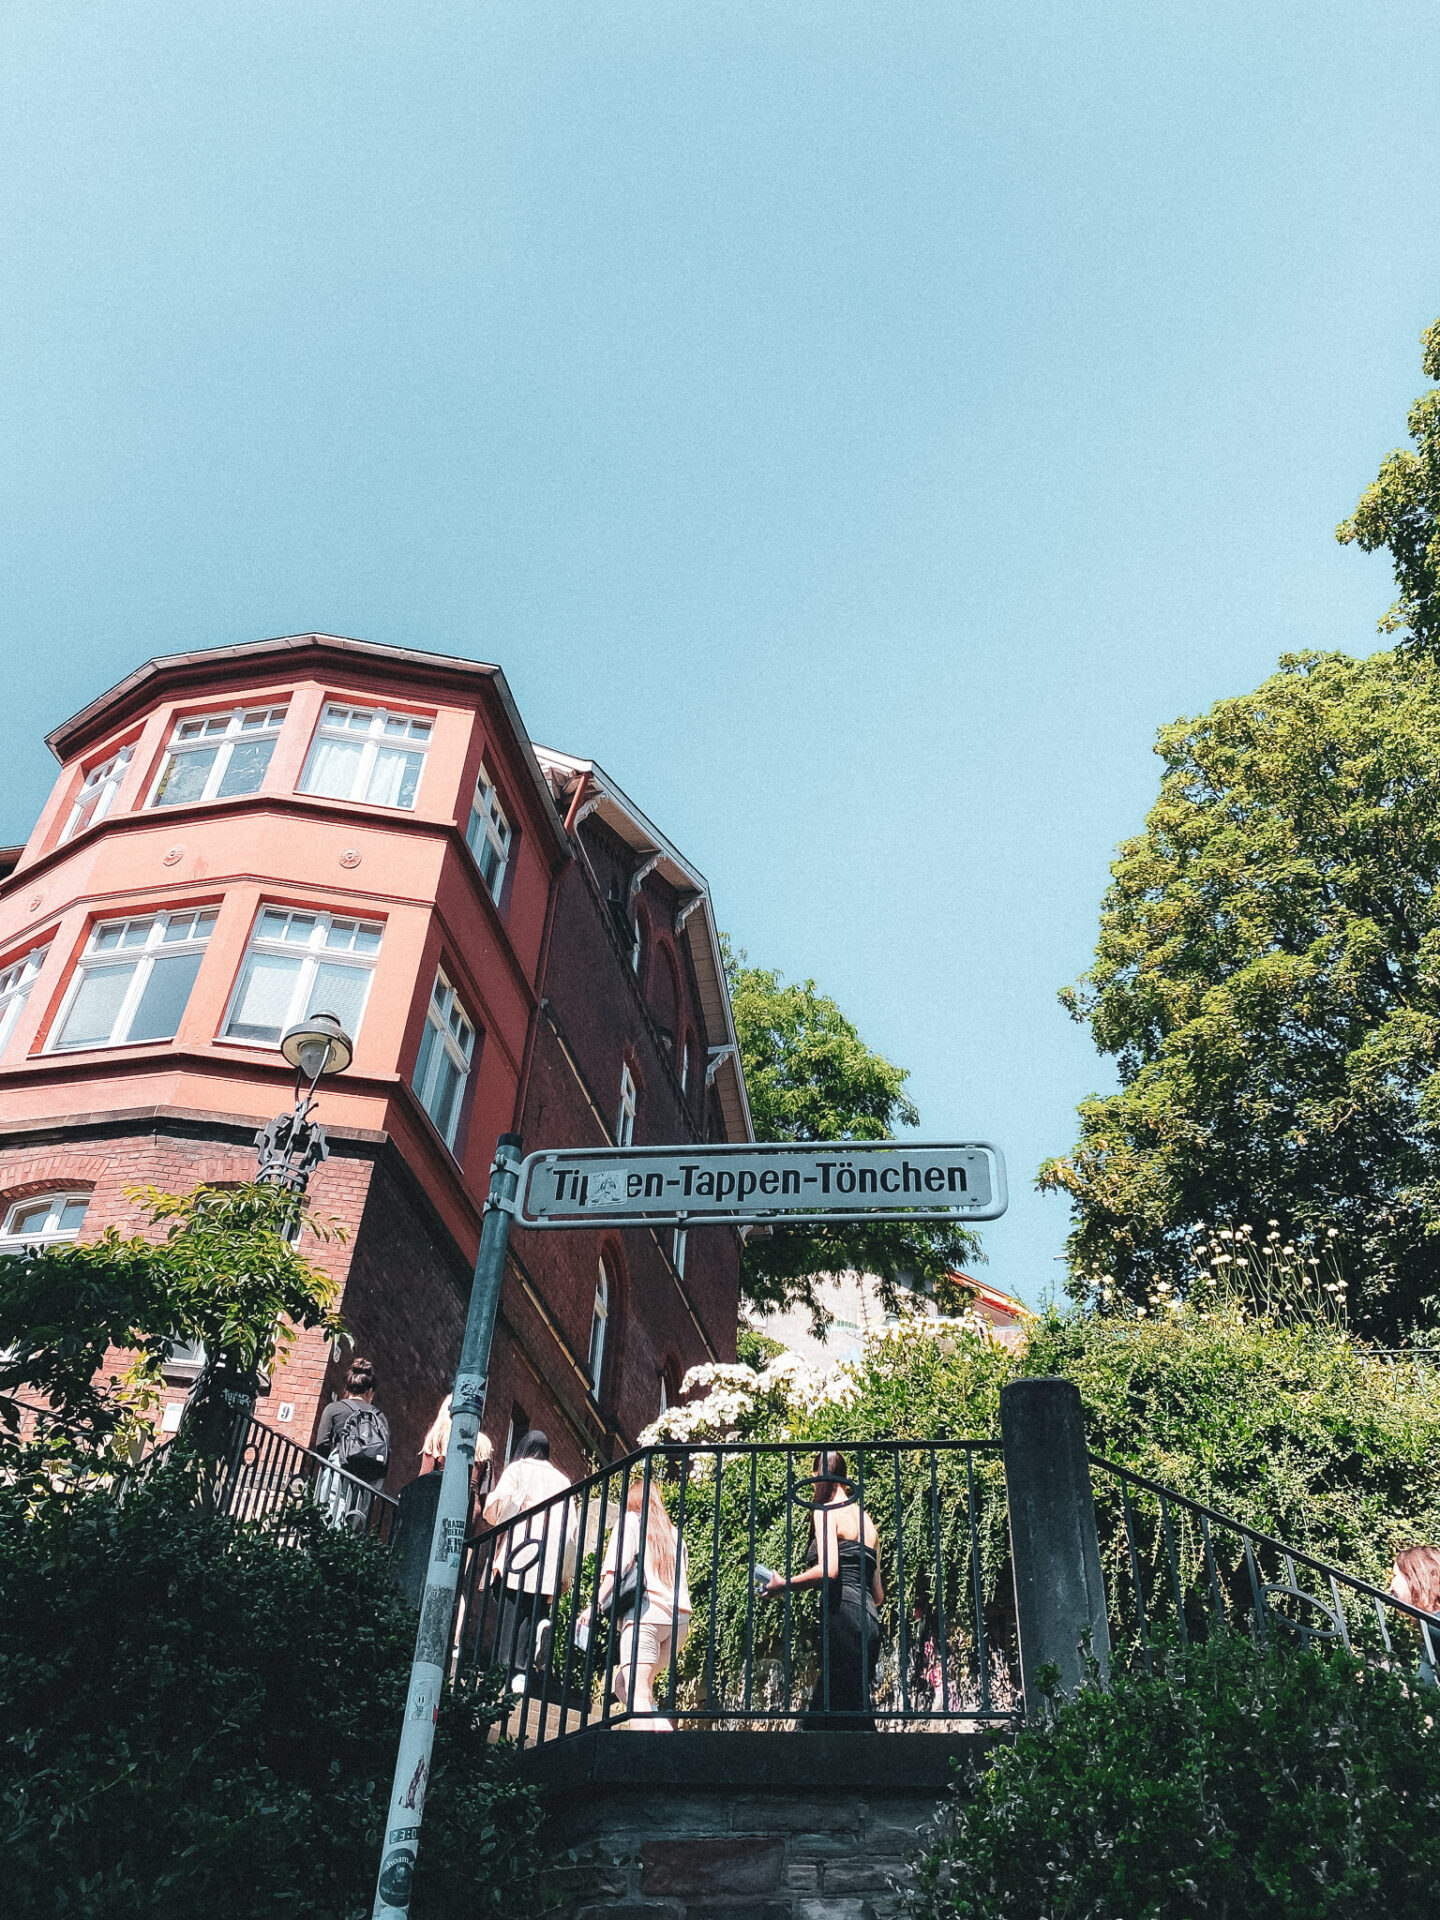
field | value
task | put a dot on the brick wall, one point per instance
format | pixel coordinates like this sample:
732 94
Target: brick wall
404 1283
598 1016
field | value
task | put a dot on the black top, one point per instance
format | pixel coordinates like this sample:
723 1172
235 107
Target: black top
333 1422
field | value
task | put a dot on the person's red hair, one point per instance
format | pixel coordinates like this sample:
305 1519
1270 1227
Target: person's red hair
1416 1579
659 1537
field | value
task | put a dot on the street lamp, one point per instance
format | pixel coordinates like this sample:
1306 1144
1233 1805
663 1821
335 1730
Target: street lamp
221 1402
293 1144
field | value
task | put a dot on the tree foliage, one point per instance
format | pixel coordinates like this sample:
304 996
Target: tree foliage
220 1268
1267 980
200 1722
1400 511
811 1077
1280 1785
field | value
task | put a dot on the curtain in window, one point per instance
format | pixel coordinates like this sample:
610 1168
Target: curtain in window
264 1003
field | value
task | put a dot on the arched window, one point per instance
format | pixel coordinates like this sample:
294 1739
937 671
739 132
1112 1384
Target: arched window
47 1220
599 1321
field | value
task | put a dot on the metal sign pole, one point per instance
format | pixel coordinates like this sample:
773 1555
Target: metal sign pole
427 1673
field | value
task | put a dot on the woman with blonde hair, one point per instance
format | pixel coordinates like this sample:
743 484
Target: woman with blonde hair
435 1446
1415 1578
652 1605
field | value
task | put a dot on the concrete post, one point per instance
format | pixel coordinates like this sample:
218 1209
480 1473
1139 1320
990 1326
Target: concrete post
1054 1545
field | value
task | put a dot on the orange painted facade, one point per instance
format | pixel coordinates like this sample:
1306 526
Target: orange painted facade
403 873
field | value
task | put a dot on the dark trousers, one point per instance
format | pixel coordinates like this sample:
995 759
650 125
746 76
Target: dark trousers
517 1626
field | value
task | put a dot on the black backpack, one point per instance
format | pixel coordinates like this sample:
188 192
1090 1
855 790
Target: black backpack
363 1446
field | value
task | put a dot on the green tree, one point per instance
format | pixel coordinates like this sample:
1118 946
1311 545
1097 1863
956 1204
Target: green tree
810 1078
1401 511
219 1268
1267 980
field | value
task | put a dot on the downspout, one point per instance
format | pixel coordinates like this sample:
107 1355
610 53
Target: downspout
542 971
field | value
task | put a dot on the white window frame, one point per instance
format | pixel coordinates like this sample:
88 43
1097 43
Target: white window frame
625 1119
16 980
12 1241
145 954
310 954
677 1250
107 776
445 1002
417 730
685 1064
489 833
599 1328
195 731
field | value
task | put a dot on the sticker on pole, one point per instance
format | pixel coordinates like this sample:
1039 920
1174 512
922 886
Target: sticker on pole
754 1185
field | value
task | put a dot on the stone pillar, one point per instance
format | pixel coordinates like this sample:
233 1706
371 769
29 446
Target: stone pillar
1059 1590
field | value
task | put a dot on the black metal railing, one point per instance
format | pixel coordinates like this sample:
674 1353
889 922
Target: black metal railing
1175 1569
551 1595
265 1477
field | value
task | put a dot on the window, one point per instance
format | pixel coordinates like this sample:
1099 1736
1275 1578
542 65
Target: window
488 834
48 1220
97 793
598 1320
685 1066
625 1122
299 964
443 1064
217 755
677 1251
365 753
133 981
664 1392
15 983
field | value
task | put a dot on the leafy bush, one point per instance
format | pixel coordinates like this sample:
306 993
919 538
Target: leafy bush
1289 1428
1238 1782
195 1720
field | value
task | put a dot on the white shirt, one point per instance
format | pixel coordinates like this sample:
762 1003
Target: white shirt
523 1485
660 1596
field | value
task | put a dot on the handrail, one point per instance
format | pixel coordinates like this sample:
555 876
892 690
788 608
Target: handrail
537 1596
1263 1539
1263 1592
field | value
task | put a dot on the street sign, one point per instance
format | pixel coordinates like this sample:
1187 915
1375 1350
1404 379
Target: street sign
876 1180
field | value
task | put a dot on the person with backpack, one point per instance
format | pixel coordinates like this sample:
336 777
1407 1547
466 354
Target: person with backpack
355 1435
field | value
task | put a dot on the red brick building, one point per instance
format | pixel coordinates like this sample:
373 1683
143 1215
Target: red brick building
241 837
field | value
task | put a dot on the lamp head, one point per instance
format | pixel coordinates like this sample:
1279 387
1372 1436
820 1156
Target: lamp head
318 1045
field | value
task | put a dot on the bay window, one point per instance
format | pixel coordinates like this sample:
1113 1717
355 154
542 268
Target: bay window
133 980
443 1064
488 835
16 981
367 753
299 964
215 756
97 793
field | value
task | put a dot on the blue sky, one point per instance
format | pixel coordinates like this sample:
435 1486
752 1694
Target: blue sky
857 426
